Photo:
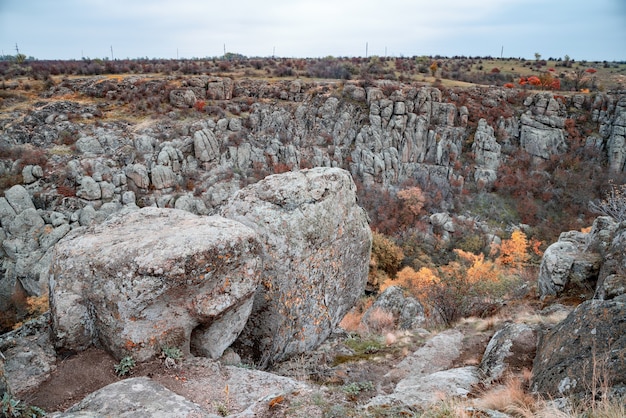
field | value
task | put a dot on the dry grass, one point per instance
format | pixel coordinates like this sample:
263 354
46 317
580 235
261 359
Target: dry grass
511 398
380 321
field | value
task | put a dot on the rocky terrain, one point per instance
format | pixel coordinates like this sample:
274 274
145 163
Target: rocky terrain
223 217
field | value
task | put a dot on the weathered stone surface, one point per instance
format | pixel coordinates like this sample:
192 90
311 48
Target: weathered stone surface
163 177
135 397
89 189
581 261
182 98
593 335
612 277
485 147
150 278
422 391
565 265
206 146
138 175
19 198
317 248
29 357
407 310
425 375
89 146
511 349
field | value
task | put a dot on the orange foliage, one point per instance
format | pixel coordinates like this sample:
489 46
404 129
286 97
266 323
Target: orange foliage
514 251
416 282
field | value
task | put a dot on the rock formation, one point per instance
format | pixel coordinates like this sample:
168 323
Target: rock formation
574 262
585 350
154 278
316 254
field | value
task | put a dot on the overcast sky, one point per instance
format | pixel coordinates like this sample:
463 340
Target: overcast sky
71 29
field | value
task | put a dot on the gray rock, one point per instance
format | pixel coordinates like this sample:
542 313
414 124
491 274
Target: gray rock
182 98
206 146
565 265
485 147
220 88
135 397
407 310
27 175
87 215
29 355
585 349
7 213
89 146
511 349
19 198
107 190
421 391
89 189
138 175
191 204
541 140
144 144
170 157
27 224
317 244
163 177
150 278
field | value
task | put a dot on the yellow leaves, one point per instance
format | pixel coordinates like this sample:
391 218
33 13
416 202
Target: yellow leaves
514 251
413 199
416 282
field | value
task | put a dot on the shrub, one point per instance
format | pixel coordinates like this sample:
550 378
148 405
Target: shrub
11 407
125 366
614 203
386 255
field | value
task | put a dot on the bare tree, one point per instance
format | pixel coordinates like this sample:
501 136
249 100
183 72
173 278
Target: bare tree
613 205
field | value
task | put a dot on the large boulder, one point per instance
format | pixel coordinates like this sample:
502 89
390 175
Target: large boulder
577 262
612 277
426 375
28 357
407 311
587 348
511 349
316 255
151 278
136 397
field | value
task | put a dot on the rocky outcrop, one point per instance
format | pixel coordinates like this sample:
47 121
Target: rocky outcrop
139 396
316 254
583 351
28 357
541 127
574 262
407 311
613 128
612 276
27 236
154 278
511 350
426 375
487 152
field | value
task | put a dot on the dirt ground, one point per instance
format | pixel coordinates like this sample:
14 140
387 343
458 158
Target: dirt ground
81 374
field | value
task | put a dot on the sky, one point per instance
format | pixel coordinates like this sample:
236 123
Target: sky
593 30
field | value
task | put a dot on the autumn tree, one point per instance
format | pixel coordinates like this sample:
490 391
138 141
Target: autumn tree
433 68
384 261
513 252
413 200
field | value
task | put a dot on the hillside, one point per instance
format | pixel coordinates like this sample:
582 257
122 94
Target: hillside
466 174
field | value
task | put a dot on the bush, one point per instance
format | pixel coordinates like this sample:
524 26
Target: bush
613 205
125 366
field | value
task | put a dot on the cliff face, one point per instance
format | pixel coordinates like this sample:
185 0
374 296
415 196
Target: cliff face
79 158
